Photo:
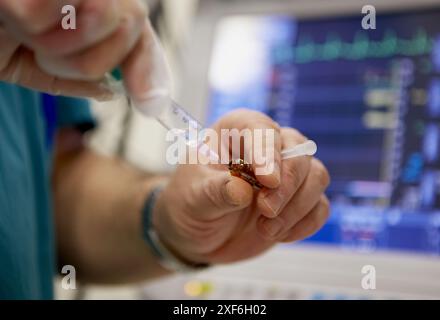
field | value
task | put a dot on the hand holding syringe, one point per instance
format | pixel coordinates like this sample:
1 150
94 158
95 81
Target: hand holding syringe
157 103
174 117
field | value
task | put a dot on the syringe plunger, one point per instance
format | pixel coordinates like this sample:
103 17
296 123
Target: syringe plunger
308 148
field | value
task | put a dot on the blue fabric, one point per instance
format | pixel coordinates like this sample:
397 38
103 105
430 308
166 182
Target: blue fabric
27 126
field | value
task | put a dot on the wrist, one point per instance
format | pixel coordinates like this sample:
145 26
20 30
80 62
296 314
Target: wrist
170 257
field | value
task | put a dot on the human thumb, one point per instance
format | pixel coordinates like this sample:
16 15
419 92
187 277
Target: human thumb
220 194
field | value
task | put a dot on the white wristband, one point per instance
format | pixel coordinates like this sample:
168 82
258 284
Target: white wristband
166 258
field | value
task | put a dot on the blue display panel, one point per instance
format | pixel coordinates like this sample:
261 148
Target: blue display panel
369 98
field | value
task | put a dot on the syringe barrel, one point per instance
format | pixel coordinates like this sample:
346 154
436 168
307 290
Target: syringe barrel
174 118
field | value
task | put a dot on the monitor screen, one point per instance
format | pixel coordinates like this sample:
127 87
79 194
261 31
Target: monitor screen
369 98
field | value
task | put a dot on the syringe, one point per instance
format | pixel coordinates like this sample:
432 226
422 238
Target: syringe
157 103
174 117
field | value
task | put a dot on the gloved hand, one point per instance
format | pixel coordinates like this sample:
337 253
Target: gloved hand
205 215
36 52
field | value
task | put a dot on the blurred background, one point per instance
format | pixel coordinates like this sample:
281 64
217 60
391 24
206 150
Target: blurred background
369 98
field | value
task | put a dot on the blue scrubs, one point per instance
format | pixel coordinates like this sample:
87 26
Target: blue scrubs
27 250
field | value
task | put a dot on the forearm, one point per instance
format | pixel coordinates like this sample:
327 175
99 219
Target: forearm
98 205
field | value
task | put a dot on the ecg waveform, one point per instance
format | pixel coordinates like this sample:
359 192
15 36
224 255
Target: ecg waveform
361 48
371 100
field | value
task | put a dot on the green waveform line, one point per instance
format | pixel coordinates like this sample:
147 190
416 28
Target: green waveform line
360 48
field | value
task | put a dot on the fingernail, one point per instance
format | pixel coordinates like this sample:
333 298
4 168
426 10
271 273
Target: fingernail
274 201
273 227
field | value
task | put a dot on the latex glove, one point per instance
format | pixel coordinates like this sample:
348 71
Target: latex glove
37 53
206 215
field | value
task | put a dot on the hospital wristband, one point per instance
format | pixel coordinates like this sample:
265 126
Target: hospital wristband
167 259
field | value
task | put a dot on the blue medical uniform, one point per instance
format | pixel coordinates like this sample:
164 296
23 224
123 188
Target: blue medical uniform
28 121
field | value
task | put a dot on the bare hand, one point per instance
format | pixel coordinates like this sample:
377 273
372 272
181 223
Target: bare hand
206 215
